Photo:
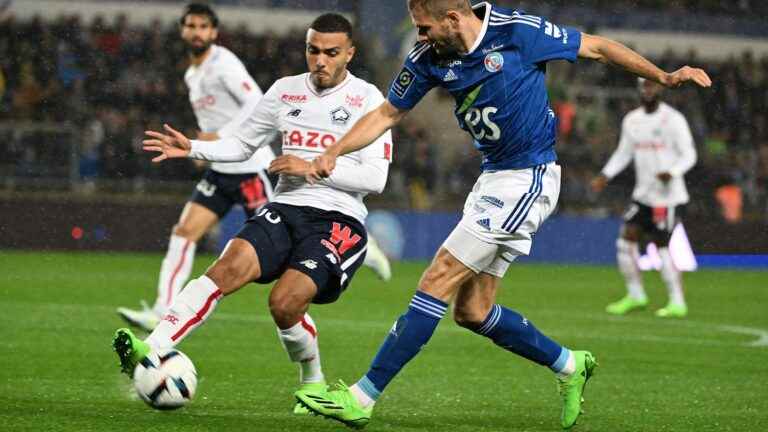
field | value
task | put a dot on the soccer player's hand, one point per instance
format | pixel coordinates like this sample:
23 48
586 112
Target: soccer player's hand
665 177
322 166
172 145
685 74
290 165
598 183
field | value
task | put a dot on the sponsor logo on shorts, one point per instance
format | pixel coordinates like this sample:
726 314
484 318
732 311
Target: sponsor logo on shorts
492 201
310 264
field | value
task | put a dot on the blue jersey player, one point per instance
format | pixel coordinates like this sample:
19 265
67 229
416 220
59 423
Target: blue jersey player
493 62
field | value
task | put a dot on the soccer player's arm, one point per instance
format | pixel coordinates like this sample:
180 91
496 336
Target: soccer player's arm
621 157
370 174
244 89
256 132
685 146
610 52
410 85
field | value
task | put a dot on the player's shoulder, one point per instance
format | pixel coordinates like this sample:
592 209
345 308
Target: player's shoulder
510 21
672 111
421 54
292 87
363 86
634 115
224 57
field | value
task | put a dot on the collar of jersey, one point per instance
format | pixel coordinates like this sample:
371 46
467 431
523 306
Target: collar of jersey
214 53
481 36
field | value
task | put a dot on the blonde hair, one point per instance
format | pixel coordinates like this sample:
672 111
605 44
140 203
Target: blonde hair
438 8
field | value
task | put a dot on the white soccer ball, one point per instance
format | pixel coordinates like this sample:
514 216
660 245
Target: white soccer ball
165 379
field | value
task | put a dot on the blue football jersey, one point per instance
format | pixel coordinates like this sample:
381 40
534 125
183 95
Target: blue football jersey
499 86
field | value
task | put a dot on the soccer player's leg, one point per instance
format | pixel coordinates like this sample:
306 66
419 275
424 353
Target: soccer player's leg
627 253
238 265
207 205
353 405
377 260
476 311
670 274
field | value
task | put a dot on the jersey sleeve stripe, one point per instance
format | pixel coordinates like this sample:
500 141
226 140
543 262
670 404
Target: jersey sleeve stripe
418 46
415 56
514 22
516 15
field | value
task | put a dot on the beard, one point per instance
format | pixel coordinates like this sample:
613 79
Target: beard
198 50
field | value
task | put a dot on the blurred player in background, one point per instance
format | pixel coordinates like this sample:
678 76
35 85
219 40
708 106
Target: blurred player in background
223 95
658 139
311 237
493 62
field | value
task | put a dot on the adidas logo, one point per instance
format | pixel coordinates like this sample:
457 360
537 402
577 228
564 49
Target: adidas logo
485 223
450 76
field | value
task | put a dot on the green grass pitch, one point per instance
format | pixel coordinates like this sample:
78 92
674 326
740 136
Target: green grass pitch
705 373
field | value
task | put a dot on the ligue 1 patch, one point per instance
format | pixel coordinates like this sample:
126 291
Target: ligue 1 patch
340 116
403 82
494 61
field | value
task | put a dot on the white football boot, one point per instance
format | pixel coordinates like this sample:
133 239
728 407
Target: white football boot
146 319
377 261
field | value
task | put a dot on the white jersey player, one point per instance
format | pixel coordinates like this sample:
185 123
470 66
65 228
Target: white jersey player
222 94
310 238
658 139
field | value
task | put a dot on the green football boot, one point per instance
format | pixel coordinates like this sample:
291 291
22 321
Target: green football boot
130 349
338 404
571 388
625 305
318 387
672 311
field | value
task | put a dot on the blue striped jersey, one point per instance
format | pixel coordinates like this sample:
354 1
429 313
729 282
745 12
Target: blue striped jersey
499 85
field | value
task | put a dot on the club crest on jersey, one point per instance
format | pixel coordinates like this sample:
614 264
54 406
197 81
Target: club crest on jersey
494 61
340 116
403 82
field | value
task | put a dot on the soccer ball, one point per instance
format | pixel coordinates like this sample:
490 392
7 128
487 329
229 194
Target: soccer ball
165 379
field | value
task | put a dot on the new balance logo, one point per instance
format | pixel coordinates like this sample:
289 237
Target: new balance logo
294 113
171 319
310 264
450 76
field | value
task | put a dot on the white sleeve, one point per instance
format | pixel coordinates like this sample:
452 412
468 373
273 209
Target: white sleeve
259 127
621 157
685 147
229 149
370 175
244 89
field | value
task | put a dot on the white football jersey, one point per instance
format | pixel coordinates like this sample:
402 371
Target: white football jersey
309 122
658 142
222 93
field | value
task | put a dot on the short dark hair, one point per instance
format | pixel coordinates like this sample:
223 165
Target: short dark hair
200 9
332 23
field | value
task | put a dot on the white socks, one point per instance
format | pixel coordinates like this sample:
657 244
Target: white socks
362 397
300 341
671 276
626 256
174 272
188 311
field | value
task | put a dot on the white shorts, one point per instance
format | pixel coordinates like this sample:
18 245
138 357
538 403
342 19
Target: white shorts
501 215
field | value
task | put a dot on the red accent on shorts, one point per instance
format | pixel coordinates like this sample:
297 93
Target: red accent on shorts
308 327
169 297
199 315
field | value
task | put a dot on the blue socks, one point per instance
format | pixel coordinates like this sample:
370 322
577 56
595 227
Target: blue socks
410 332
513 332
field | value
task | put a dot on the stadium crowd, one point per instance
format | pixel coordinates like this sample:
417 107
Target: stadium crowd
108 82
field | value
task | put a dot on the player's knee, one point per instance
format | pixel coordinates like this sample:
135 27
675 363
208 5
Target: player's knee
286 309
469 317
630 232
229 275
437 279
185 231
